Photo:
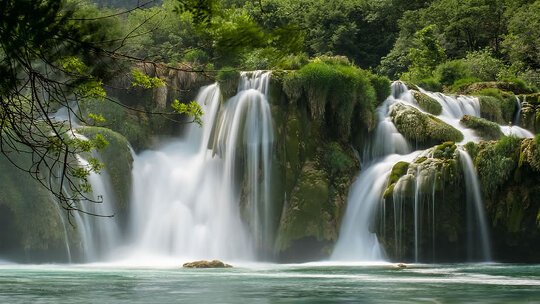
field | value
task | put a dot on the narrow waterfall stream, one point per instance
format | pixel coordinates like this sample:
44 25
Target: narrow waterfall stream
188 195
358 240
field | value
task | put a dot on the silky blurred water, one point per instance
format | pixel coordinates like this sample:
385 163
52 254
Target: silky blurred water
270 283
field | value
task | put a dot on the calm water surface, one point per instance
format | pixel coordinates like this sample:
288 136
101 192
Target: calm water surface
260 283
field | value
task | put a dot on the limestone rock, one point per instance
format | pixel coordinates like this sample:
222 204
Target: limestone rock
206 264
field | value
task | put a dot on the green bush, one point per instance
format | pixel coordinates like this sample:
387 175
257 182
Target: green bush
449 72
430 84
483 65
459 84
293 62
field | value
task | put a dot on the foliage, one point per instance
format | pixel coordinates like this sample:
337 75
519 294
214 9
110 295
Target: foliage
449 72
142 80
425 56
522 42
192 109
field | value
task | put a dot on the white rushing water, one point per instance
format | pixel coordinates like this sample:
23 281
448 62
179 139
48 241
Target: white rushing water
187 194
357 240
98 231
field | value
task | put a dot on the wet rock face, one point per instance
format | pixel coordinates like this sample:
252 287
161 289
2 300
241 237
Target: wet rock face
432 184
509 173
206 264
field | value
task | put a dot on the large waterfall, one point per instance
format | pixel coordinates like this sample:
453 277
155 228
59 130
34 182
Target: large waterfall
189 195
358 239
208 193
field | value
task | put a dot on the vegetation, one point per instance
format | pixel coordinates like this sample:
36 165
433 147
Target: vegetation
482 127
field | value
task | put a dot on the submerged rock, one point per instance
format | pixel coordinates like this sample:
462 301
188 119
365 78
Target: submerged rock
206 264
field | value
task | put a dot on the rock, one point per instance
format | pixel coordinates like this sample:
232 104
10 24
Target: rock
427 103
206 264
421 128
401 266
482 127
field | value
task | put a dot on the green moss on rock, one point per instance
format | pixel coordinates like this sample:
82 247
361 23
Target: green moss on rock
482 127
427 103
307 213
398 170
422 128
118 162
497 105
333 90
228 81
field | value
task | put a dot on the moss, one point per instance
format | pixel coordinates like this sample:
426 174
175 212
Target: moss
381 84
422 128
490 109
530 153
31 223
333 90
227 78
118 162
307 213
496 163
497 105
398 170
427 103
482 127
506 86
337 161
444 150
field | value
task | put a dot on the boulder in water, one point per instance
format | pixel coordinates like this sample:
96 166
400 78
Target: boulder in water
206 264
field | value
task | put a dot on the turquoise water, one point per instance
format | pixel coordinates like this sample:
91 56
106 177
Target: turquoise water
260 283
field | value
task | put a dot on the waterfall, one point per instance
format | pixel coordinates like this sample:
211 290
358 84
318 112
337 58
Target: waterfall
247 121
474 202
99 234
189 195
357 237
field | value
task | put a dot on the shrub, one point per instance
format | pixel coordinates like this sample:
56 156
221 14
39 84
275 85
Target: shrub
449 72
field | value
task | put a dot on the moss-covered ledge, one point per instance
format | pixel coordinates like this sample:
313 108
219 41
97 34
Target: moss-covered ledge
422 129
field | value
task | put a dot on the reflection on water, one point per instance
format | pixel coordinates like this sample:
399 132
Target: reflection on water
264 283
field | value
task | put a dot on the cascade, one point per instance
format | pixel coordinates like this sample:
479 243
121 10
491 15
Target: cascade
188 196
99 234
474 202
357 238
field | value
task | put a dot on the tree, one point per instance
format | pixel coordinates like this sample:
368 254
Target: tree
55 54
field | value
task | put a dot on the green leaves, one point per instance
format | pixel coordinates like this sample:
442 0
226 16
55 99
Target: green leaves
192 109
142 80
